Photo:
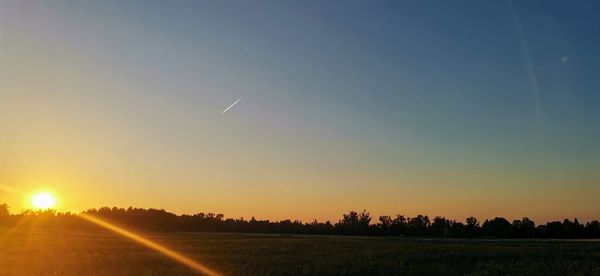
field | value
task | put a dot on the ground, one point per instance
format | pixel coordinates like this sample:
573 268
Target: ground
97 252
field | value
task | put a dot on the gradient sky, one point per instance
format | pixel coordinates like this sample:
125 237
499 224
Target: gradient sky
453 108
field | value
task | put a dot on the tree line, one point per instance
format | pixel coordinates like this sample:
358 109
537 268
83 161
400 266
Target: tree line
352 223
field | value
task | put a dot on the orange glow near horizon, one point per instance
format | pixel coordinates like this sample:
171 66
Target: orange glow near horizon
196 266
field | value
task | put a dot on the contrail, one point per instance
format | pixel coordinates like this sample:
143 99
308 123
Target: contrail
535 89
231 105
533 82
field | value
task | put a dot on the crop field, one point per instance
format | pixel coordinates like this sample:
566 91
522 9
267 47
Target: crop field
99 252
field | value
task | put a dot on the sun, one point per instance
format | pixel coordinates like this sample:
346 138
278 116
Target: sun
43 200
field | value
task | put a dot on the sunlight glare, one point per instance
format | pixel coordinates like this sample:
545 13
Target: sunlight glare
43 200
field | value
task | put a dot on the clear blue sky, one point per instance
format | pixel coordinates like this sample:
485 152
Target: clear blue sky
453 108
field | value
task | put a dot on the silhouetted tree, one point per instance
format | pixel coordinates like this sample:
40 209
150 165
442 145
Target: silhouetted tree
4 210
472 227
457 229
352 223
552 229
399 225
418 225
440 227
498 227
524 228
592 229
385 224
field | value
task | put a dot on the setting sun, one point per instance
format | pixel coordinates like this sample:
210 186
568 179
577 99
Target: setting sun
43 200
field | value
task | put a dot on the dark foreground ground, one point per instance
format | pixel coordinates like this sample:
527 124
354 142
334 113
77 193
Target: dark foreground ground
70 252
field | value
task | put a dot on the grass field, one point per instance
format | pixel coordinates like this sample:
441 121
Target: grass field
97 252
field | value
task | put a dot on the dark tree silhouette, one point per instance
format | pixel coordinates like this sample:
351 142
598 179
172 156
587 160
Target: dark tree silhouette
352 223
440 227
524 228
418 225
399 225
472 227
385 224
498 227
592 229
4 210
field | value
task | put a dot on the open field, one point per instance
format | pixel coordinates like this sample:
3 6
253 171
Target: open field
97 252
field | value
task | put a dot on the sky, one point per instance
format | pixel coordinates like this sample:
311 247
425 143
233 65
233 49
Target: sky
451 108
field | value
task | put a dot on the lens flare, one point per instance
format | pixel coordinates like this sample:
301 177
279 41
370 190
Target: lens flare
198 267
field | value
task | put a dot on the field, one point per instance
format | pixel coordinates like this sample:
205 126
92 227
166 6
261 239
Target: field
98 252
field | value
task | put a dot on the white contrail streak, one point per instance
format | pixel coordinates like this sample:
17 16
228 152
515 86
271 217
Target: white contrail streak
535 88
533 82
231 105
